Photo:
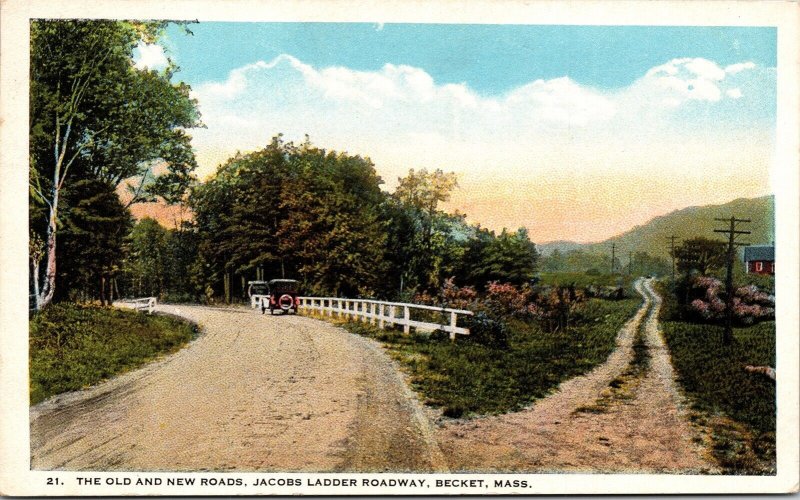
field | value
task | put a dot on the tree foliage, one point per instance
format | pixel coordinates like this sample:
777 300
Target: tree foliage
425 237
94 224
95 116
295 212
701 255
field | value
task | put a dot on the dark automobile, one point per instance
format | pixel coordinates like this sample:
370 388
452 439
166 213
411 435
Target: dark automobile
282 296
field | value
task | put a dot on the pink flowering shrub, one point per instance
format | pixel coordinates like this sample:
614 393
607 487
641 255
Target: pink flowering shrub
504 299
749 303
459 297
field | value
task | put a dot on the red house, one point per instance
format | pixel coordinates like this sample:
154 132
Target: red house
760 259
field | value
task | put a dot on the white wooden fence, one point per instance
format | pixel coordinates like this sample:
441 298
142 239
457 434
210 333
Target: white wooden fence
386 313
146 303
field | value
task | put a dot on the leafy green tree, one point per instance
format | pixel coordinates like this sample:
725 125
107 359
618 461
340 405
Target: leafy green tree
94 224
429 231
94 115
331 227
295 212
147 262
507 258
646 264
701 255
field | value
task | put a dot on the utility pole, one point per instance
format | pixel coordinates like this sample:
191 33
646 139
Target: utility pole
732 233
672 253
613 249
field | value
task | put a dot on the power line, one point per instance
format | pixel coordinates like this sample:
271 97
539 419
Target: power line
732 233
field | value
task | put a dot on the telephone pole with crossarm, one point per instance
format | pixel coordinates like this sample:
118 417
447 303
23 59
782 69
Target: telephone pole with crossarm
732 232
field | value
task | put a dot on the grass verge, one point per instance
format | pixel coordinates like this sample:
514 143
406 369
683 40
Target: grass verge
735 407
465 378
73 346
738 407
581 280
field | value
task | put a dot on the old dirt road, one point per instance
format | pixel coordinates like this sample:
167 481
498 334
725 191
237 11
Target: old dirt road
636 424
253 393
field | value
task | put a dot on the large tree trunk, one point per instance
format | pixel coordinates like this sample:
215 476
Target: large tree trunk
227 284
102 290
36 297
49 286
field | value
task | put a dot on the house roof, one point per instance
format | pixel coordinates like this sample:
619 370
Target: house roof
759 252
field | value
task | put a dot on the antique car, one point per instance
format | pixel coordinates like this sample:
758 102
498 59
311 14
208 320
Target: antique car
282 296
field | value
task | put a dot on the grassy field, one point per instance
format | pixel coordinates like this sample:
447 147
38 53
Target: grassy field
465 378
737 405
583 279
73 346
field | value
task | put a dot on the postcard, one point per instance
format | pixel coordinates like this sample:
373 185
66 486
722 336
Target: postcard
415 248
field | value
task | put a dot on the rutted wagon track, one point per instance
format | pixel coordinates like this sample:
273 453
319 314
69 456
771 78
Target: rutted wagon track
620 417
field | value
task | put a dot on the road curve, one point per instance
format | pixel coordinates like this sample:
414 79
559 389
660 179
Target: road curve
252 393
644 430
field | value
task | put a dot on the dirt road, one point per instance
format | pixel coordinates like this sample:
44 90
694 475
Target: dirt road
624 416
252 393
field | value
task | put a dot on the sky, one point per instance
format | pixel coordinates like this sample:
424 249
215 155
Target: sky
575 132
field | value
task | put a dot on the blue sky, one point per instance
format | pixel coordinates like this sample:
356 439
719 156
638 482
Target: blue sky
574 132
491 59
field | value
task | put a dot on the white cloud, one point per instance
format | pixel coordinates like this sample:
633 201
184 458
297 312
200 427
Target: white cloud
692 79
734 93
736 68
546 129
150 56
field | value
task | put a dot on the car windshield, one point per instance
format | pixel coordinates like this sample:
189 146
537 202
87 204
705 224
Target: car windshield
283 286
258 288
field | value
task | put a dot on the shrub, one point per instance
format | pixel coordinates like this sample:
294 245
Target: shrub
504 299
459 297
487 331
705 297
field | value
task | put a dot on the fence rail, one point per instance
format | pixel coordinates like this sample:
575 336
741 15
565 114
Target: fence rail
385 313
148 303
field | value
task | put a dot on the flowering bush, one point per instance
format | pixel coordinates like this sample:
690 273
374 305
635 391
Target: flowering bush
459 297
504 299
749 303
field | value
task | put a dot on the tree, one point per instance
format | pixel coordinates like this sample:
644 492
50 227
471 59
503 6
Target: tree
702 255
508 258
146 266
93 226
94 115
419 194
295 212
646 264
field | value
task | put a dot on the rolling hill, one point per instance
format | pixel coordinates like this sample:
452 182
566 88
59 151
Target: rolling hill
685 223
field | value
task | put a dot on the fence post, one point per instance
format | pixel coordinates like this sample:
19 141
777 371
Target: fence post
452 325
406 318
380 315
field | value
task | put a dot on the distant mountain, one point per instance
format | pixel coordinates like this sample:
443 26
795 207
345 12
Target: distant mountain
685 223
